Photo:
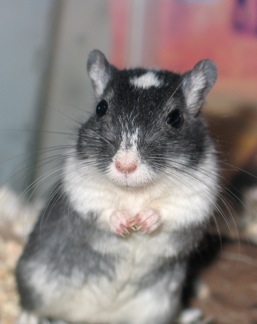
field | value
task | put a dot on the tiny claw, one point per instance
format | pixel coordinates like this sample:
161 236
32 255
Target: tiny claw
148 220
119 223
125 234
126 231
132 222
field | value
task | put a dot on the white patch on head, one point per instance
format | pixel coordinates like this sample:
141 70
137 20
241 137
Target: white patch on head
146 81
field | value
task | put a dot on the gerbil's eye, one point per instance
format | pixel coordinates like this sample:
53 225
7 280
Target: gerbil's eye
101 108
175 118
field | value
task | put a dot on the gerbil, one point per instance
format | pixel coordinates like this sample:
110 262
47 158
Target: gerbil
136 193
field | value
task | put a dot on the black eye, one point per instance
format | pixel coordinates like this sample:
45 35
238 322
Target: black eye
175 118
101 108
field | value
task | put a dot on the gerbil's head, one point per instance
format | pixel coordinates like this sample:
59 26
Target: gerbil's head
147 123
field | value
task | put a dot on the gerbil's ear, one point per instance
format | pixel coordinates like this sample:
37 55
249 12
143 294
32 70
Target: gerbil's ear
99 71
197 83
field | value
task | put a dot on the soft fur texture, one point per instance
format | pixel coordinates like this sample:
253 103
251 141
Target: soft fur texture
78 265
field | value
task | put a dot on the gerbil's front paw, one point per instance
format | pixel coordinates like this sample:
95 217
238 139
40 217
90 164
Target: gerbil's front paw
120 222
148 220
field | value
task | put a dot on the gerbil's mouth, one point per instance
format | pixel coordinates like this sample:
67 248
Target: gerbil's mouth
127 182
134 176
128 170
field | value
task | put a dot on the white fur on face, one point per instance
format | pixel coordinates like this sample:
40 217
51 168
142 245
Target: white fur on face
143 173
140 177
146 81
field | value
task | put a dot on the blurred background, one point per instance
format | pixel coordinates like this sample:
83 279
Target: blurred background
44 84
45 92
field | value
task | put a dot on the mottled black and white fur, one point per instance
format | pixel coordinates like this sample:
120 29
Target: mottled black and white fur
137 190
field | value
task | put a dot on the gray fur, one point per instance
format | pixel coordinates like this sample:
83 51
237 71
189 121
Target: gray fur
99 71
198 82
62 240
70 246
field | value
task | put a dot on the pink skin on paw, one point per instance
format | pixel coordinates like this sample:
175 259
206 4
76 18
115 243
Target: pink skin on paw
119 222
148 220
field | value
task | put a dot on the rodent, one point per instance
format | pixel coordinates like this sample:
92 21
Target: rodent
135 195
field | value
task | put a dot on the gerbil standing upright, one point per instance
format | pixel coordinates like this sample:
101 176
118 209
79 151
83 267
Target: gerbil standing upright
137 189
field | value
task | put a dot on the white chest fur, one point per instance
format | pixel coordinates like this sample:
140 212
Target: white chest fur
180 204
185 200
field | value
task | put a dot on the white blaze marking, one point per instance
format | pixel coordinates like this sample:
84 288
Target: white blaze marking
129 139
146 81
129 155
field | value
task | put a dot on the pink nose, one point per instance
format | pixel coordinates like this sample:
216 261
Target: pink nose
126 166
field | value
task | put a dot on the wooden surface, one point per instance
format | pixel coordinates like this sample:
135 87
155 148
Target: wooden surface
230 286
